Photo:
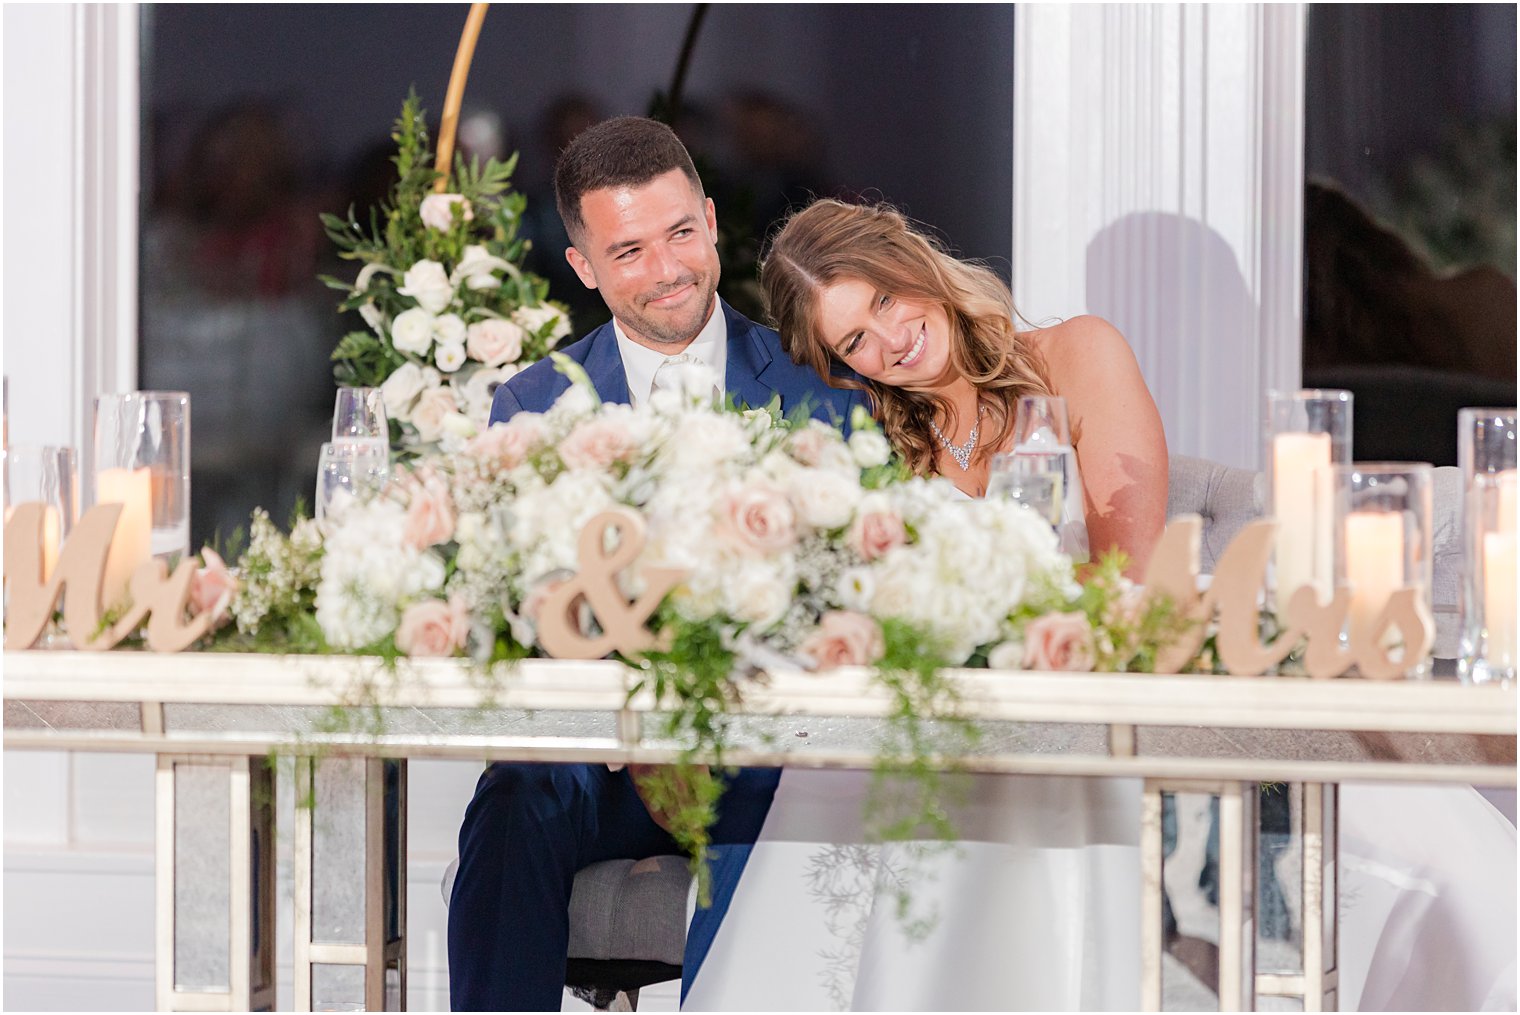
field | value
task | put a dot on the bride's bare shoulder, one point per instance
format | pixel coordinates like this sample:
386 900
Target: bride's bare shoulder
1078 345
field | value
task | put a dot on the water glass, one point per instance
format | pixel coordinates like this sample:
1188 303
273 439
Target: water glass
360 412
349 470
1034 479
1486 451
1040 423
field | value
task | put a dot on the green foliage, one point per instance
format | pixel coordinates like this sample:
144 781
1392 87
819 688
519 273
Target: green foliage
389 240
693 678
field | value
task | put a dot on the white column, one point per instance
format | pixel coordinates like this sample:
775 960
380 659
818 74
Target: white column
1158 179
70 210
78 847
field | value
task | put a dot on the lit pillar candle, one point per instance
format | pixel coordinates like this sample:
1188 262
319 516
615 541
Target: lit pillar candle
1374 561
131 544
1302 505
1499 549
49 541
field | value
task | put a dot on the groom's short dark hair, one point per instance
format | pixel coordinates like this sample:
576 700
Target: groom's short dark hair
622 152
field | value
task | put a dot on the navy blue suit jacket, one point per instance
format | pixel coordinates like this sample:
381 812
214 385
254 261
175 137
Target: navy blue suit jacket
758 370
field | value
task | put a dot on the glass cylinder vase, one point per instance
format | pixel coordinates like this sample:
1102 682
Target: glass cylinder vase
1308 433
1383 514
48 475
1486 440
142 461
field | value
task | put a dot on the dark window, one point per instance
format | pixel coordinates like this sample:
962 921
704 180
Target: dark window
1409 295
259 117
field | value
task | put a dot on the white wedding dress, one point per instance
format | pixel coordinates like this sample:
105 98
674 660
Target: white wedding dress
1037 907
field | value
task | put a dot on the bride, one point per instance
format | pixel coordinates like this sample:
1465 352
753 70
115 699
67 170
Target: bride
1045 875
1037 905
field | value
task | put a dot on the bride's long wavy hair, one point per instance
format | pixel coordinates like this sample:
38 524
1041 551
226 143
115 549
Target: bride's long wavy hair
830 241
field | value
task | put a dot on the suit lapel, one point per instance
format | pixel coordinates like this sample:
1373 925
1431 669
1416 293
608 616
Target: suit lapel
604 365
748 359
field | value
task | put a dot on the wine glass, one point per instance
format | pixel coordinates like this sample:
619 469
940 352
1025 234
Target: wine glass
360 413
349 470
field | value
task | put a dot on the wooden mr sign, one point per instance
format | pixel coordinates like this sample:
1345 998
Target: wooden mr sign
79 577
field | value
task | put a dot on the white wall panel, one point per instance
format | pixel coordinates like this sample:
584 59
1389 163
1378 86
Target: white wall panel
1158 175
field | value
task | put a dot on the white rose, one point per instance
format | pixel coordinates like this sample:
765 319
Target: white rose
1007 655
457 424
449 329
412 331
758 593
449 356
428 284
476 268
870 449
430 411
824 499
495 342
437 210
534 318
400 389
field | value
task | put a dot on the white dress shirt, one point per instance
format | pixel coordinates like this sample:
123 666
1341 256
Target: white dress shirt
640 363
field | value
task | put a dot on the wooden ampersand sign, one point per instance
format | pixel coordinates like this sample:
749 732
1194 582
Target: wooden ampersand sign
1241 572
622 623
79 576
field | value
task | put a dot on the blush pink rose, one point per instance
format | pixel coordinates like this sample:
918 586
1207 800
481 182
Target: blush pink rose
433 628
430 514
876 532
596 444
495 342
212 587
844 638
1059 641
757 520
806 446
507 445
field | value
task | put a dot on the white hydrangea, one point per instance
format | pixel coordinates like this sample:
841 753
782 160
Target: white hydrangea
370 574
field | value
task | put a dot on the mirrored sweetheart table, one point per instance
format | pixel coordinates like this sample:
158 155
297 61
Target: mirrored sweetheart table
215 720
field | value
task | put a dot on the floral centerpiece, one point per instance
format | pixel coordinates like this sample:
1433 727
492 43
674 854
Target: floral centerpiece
802 548
451 313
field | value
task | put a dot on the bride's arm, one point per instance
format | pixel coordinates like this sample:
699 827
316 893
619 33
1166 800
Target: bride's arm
1121 448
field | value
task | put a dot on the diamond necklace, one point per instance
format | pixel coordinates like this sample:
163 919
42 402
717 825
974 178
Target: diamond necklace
961 452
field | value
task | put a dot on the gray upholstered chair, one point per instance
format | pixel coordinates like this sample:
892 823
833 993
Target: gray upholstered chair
627 928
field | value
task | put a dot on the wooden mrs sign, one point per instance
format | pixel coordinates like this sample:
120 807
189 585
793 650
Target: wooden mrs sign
79 576
1239 578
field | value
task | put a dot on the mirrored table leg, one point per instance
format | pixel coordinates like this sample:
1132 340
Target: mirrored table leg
215 883
350 884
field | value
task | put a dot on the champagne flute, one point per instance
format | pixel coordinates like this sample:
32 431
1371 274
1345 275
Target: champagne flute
360 413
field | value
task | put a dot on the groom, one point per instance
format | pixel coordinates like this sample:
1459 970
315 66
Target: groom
644 235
